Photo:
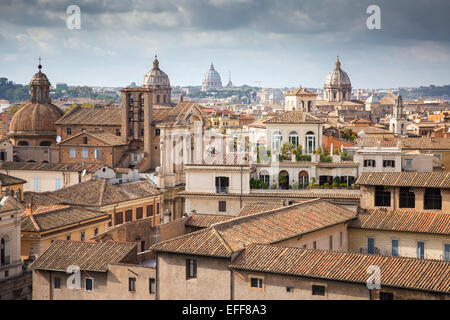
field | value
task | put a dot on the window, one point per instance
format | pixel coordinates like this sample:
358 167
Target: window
370 245
314 245
340 239
142 245
382 196
369 163
85 153
407 198
394 251
37 184
191 268
265 178
98 154
128 215
69 131
57 183
157 132
132 284
57 283
310 142
330 242
256 283
89 284
82 236
68 237
95 232
149 210
222 206
388 163
318 290
408 163
293 138
386 295
222 184
152 285
290 289
73 153
157 209
85 140
420 249
433 199
118 132
276 141
447 251
139 214
118 217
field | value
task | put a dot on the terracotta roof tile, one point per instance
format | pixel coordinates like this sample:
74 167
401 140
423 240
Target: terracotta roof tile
264 227
405 179
42 166
88 256
46 218
409 273
92 116
292 117
7 180
406 220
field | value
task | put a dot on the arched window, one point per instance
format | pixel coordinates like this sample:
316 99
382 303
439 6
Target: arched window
303 178
141 100
23 143
283 180
157 98
343 95
45 143
276 141
309 106
334 94
310 142
293 138
130 100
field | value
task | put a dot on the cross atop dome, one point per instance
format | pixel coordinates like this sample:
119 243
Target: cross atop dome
156 62
39 65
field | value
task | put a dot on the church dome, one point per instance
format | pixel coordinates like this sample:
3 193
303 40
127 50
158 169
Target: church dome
37 117
337 77
211 80
156 77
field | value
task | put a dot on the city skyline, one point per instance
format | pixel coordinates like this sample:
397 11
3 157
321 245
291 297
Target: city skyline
279 44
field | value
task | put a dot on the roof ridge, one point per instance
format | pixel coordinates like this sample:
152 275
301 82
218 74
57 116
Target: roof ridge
102 192
216 232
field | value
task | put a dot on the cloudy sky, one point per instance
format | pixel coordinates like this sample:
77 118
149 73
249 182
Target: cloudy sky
282 43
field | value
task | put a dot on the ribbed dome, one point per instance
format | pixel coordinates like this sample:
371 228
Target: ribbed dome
35 118
156 77
212 79
337 77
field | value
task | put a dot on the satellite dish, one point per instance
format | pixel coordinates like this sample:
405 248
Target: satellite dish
58 139
83 173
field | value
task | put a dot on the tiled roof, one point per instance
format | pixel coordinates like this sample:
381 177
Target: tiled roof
88 256
405 179
106 137
406 220
378 141
94 193
42 166
426 143
178 112
92 116
7 180
46 218
293 117
160 113
224 238
300 91
8 203
408 273
253 208
229 158
206 220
